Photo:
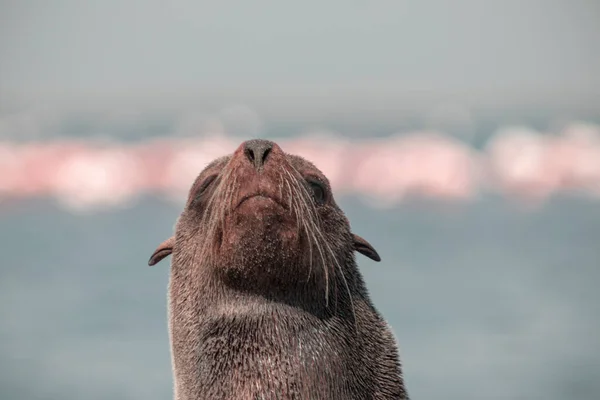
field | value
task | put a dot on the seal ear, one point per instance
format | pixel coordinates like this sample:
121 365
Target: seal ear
163 250
365 248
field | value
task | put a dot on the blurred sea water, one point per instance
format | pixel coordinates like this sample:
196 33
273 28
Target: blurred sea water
488 300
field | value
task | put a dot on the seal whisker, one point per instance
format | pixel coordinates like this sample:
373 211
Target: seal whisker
231 189
334 259
301 224
330 251
214 216
311 228
293 206
343 275
299 202
295 211
282 180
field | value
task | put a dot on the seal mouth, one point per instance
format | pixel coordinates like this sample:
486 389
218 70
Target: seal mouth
263 196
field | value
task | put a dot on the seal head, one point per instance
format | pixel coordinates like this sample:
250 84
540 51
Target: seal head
265 298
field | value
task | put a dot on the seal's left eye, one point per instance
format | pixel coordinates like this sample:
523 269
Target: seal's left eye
318 191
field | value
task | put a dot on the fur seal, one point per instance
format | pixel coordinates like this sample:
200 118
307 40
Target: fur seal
265 297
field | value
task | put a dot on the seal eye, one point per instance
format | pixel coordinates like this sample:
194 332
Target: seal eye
203 186
318 191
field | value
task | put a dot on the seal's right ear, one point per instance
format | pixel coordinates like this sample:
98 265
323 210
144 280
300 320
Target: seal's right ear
365 248
163 250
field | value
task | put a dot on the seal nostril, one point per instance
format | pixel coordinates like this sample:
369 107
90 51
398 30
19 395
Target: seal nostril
257 151
265 155
250 155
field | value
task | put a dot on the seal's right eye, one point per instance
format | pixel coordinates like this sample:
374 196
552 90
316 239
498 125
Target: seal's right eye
203 186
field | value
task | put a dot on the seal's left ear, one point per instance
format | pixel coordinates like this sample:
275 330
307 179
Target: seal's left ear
163 250
365 248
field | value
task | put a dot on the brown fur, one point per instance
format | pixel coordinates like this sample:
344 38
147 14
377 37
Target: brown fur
265 298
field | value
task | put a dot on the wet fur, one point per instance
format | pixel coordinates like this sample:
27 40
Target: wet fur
268 303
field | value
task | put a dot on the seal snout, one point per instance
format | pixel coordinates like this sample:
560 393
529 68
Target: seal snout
257 151
258 166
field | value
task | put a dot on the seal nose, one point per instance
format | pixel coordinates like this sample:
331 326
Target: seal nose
257 151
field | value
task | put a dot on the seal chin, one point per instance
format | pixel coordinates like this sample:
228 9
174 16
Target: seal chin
261 216
258 221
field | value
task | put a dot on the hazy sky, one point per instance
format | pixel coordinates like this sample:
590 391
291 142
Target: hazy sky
116 45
